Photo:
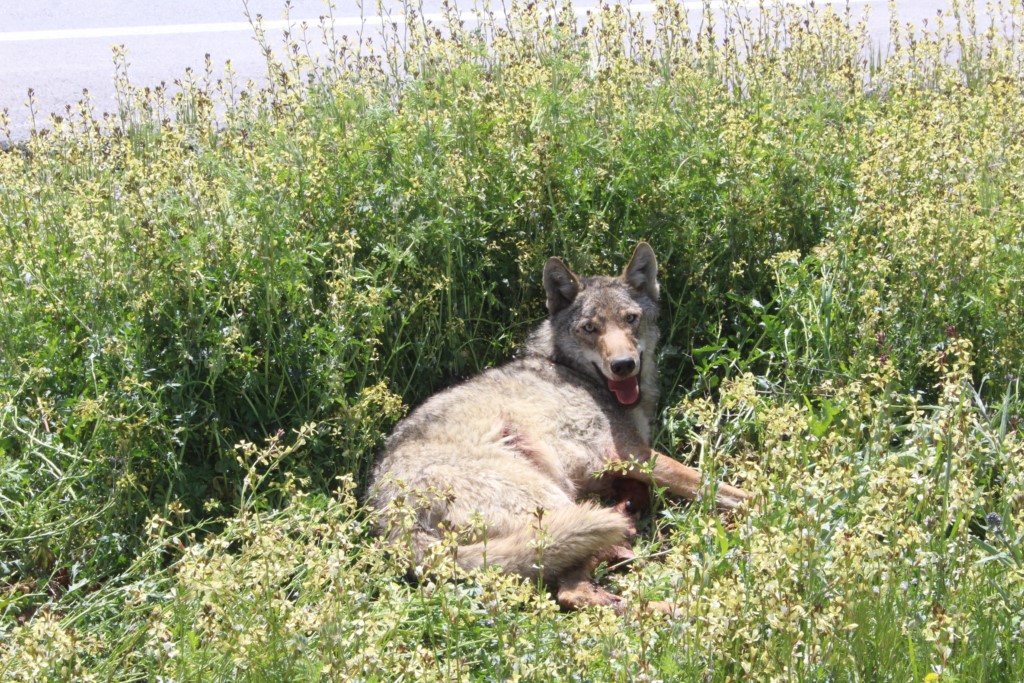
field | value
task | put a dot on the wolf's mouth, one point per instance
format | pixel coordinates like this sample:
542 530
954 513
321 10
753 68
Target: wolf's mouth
627 391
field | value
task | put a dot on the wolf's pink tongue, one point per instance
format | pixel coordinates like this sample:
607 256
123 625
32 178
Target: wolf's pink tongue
626 390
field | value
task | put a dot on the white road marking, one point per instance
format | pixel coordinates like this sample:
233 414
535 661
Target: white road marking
160 30
337 22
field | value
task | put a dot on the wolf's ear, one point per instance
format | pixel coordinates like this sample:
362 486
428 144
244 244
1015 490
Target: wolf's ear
642 272
560 284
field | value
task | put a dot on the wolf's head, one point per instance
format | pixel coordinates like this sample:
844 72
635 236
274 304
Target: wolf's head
605 327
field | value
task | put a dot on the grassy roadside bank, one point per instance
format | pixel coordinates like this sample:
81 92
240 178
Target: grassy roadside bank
205 323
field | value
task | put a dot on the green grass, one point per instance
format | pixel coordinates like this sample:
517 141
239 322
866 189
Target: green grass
208 325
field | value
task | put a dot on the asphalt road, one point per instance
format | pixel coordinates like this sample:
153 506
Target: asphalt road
60 47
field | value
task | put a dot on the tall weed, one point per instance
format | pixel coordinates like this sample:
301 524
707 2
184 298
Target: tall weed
206 318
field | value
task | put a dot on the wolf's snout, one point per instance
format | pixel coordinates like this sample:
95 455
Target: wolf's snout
623 367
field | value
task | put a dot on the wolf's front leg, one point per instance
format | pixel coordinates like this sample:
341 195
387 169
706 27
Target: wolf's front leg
685 481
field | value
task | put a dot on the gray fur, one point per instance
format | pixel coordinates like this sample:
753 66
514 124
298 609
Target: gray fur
519 446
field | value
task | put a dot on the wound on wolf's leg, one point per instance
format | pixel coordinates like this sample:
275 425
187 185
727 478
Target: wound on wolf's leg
632 498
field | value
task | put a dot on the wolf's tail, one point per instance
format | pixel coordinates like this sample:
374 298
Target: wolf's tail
561 540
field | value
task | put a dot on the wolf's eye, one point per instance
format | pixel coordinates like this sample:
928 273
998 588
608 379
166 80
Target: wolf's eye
631 318
590 328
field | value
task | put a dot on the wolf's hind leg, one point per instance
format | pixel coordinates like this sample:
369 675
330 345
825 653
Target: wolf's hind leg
576 590
552 544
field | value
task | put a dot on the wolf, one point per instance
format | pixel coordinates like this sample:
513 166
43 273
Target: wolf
511 461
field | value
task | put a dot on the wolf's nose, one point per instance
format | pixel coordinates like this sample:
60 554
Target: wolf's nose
623 366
